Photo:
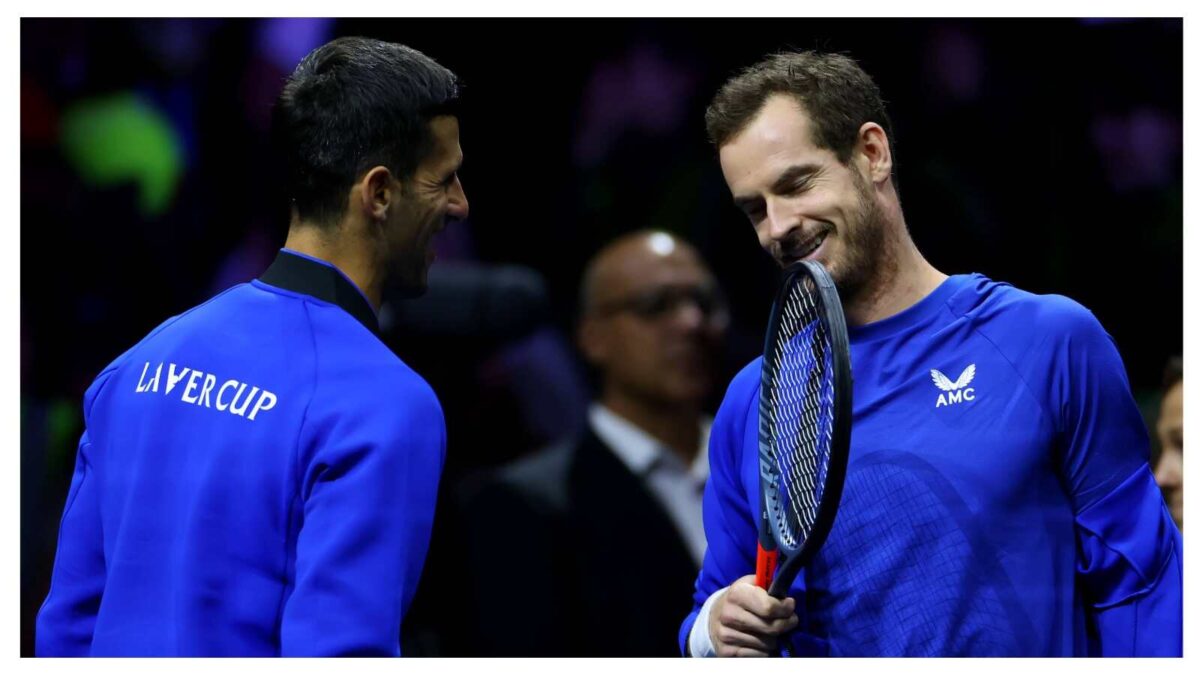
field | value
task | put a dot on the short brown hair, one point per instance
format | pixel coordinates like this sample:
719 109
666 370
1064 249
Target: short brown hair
836 93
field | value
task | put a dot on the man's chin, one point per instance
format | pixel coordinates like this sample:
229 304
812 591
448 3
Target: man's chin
687 389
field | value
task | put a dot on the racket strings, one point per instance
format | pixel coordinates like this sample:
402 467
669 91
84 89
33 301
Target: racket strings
800 414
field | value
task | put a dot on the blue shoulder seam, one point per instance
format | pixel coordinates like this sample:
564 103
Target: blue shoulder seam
1016 371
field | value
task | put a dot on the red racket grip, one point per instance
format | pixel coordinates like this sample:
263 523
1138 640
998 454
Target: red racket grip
765 569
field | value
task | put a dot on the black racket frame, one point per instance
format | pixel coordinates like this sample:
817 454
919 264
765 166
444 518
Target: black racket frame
792 560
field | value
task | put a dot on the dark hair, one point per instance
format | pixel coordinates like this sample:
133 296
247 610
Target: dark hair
836 93
1173 372
352 104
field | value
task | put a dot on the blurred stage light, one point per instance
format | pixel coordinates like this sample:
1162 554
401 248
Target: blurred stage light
122 138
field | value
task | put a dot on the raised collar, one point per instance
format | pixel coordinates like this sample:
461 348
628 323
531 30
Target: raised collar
304 274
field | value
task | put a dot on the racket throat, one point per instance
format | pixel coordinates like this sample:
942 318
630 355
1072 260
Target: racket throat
765 569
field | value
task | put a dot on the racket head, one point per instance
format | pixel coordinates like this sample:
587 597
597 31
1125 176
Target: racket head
805 410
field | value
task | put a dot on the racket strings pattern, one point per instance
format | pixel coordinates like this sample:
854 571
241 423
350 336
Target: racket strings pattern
799 414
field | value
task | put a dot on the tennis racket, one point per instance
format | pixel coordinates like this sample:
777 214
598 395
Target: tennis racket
804 424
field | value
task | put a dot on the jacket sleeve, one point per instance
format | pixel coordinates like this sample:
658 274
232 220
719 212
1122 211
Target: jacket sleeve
68 616
728 519
1129 566
1131 563
369 481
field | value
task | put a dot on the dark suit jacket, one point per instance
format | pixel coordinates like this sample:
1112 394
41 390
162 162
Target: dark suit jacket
572 556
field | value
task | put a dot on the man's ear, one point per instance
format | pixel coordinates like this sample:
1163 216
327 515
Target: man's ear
377 193
876 150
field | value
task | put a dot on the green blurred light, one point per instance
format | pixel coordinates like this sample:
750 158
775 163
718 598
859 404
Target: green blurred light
62 425
122 138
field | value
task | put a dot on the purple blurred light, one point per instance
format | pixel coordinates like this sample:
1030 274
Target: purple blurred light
641 90
1138 150
178 45
956 62
284 42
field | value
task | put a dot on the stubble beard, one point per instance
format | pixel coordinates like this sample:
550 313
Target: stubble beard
868 260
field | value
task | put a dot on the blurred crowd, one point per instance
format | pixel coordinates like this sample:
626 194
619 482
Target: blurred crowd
602 266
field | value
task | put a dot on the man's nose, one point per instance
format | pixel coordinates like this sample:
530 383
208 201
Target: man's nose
459 207
688 315
779 221
1169 473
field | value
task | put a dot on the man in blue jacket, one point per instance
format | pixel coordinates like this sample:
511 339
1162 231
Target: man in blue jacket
998 499
258 475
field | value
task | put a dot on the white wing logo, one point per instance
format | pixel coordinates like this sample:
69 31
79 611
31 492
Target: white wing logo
945 384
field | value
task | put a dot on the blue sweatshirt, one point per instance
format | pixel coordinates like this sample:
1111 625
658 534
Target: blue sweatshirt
998 499
257 478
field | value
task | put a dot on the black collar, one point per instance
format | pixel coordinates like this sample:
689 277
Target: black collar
322 281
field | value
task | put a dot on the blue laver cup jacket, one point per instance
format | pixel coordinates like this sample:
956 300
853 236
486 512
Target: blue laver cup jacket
257 477
997 499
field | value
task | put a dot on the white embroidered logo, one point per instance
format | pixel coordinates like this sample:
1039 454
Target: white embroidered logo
956 391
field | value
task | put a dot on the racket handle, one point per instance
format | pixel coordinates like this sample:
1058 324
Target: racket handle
765 569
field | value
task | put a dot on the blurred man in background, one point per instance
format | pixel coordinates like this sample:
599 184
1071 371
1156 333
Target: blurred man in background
1168 471
258 475
589 548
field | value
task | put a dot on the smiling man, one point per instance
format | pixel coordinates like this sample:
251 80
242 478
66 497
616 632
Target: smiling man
258 475
998 499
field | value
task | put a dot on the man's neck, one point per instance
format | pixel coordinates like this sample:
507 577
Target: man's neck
344 253
902 279
677 427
